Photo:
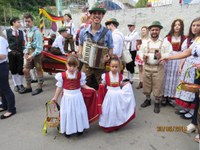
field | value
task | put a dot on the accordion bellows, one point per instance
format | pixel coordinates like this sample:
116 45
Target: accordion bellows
93 55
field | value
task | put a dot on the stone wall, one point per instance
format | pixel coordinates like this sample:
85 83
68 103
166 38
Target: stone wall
145 16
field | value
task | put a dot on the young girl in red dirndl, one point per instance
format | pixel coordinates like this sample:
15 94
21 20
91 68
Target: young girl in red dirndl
73 111
117 99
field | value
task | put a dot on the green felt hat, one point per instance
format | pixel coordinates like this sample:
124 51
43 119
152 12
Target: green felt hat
97 7
62 29
111 20
156 24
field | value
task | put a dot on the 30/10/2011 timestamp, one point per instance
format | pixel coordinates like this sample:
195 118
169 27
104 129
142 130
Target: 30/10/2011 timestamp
171 129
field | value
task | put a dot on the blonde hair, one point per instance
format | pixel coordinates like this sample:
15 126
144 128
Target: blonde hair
84 19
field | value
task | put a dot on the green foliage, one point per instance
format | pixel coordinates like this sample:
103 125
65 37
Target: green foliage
10 8
141 4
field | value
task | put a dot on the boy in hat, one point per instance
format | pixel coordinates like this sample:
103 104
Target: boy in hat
58 45
153 74
71 32
96 33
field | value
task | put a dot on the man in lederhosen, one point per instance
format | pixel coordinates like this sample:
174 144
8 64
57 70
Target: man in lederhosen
153 72
16 41
32 55
71 33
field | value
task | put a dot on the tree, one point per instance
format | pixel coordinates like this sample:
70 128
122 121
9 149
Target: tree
10 8
141 3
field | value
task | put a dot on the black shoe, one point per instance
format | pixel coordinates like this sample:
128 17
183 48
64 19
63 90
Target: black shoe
4 117
164 102
37 91
79 133
25 90
157 108
34 81
146 103
67 136
21 88
171 102
16 88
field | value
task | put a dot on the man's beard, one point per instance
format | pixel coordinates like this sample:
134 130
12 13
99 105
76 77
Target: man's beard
154 36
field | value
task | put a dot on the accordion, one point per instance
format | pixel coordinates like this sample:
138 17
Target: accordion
93 55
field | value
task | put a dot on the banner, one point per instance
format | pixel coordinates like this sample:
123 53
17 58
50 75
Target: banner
50 16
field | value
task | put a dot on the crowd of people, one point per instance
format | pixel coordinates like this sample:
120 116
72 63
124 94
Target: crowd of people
163 65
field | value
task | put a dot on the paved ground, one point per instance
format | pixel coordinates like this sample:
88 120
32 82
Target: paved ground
24 130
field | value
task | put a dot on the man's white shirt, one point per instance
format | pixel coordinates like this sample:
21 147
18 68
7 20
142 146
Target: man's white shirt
118 41
132 38
59 43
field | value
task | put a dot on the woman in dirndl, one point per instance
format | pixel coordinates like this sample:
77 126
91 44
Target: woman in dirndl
176 38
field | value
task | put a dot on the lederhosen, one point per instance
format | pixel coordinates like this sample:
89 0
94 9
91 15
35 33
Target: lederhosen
69 40
15 56
153 76
93 75
36 61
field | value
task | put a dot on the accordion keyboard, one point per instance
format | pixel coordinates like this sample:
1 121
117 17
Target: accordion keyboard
86 52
